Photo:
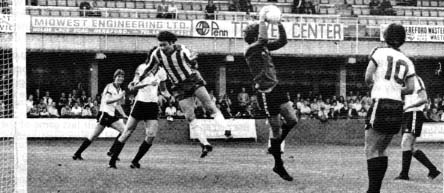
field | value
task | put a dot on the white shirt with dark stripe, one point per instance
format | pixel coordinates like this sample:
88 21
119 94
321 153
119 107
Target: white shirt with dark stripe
150 93
392 70
414 98
110 91
177 64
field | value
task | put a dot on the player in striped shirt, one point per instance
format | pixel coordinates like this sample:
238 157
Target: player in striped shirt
112 96
413 119
187 82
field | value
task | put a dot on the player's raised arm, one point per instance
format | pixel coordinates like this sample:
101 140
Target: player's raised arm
281 42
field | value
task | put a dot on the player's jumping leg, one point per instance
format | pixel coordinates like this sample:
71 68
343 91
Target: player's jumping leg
78 154
187 106
407 149
118 144
377 160
202 94
279 135
151 127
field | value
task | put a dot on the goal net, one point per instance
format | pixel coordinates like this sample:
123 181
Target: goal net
12 97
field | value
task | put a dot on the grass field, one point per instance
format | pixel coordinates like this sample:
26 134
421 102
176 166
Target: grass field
232 167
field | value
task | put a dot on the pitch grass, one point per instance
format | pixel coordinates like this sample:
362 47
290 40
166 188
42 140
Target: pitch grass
232 167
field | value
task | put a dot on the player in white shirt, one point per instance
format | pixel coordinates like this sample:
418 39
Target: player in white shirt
145 109
112 96
413 119
388 70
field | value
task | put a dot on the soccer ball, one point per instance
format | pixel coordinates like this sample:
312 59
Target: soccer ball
272 13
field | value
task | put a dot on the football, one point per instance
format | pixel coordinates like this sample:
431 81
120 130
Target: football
272 13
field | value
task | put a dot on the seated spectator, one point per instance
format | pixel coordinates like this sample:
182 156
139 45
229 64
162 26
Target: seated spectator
170 111
434 115
386 8
357 106
332 114
246 113
362 113
322 115
309 7
162 10
245 6
234 5
180 114
34 112
52 110
210 10
305 110
76 110
83 98
65 111
43 112
86 111
243 99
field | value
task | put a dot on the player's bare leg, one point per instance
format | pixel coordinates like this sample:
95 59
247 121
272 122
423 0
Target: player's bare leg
130 126
187 106
202 94
375 150
151 128
85 144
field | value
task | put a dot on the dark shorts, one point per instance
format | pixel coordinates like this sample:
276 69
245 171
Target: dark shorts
105 119
412 122
385 116
186 88
274 99
145 111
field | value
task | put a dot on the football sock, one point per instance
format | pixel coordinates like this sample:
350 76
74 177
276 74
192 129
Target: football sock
422 158
276 152
118 148
406 160
376 170
114 144
144 147
200 132
82 147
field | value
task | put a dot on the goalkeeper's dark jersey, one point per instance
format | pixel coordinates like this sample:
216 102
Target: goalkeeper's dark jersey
259 59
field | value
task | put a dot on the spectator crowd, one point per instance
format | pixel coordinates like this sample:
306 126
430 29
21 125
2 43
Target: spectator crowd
233 105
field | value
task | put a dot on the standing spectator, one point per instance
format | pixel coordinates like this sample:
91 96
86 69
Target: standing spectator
243 99
95 108
245 6
386 8
37 96
162 10
83 98
210 10
298 6
52 110
29 103
374 7
76 110
172 11
309 7
62 100
65 111
47 99
234 5
225 106
84 8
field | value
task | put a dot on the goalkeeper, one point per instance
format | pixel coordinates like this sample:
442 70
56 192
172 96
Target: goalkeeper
261 66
